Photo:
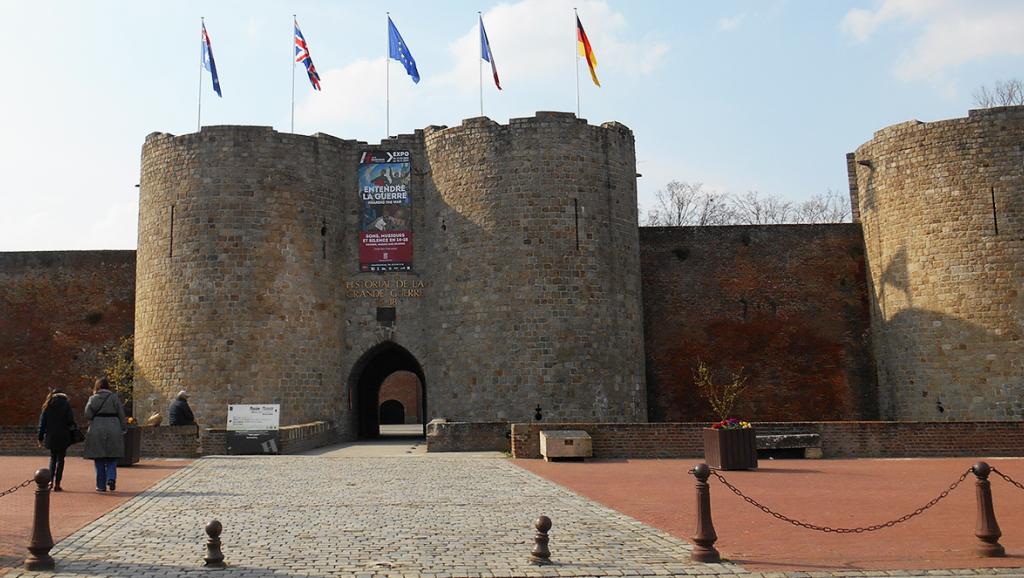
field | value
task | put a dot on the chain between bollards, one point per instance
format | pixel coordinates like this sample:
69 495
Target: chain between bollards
16 488
214 557
541 555
42 540
1007 478
829 529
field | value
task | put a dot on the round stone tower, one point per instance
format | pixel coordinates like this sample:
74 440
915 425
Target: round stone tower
942 207
524 289
542 276
236 239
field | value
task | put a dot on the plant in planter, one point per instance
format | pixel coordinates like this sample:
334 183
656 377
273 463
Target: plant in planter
729 444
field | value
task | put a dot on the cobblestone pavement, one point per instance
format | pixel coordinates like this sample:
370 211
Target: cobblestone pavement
429 515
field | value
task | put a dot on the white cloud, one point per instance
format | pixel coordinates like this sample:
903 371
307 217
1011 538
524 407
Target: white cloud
731 23
950 33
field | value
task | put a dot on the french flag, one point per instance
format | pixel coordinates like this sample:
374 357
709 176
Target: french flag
485 53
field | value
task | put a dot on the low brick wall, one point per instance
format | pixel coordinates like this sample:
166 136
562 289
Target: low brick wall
170 442
841 439
157 442
177 442
468 437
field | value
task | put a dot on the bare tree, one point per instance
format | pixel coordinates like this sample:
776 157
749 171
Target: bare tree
754 209
1004 93
830 207
683 203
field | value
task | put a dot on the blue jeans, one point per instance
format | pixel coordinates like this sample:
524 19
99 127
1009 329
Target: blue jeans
106 470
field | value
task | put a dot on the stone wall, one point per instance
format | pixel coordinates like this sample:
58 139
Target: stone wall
942 206
59 310
525 291
846 439
469 437
787 303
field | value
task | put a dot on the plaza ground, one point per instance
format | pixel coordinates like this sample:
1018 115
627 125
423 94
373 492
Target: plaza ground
78 505
391 509
835 493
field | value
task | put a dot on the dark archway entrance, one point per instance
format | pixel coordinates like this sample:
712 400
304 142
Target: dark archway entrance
392 412
370 372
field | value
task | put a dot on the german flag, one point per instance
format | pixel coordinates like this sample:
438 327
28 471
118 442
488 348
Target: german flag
583 46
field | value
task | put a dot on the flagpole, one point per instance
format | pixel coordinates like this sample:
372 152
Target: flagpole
576 51
480 62
293 73
199 116
387 81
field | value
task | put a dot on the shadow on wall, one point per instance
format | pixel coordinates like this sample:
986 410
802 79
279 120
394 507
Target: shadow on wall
933 366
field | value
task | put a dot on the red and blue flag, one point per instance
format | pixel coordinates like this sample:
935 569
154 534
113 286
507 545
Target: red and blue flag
208 62
302 55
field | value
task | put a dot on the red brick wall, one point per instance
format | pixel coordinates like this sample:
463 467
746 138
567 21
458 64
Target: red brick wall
851 439
404 387
58 310
786 302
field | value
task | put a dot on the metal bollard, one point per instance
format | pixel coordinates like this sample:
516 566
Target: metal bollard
541 556
42 540
986 529
214 557
705 537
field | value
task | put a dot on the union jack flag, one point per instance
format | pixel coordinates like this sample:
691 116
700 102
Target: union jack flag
302 55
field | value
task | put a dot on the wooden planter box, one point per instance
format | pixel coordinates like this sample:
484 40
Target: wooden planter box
730 449
132 447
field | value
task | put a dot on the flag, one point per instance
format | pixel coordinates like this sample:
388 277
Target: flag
583 45
485 53
400 52
208 62
302 55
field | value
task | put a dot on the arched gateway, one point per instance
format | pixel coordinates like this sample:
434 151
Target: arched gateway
367 376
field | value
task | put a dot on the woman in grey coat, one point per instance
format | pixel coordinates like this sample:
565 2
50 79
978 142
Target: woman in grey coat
104 444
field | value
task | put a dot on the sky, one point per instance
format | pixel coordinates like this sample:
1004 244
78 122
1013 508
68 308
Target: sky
765 95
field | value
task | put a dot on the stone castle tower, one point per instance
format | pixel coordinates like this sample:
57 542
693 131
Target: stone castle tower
524 288
942 208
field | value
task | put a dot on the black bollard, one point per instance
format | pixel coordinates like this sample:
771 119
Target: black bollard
541 556
986 528
214 557
42 540
705 537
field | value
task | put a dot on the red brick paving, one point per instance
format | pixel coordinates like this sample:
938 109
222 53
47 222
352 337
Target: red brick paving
71 509
825 492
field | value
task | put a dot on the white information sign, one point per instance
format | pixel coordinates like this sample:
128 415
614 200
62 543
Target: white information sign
265 417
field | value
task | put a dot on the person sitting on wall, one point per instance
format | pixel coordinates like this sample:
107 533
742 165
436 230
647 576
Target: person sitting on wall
180 413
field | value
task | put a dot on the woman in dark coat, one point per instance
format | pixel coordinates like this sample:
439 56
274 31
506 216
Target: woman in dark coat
104 444
55 423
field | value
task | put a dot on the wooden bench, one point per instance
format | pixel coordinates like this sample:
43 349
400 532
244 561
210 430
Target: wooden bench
810 443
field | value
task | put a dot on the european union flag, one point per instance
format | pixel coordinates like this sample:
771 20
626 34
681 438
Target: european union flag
400 52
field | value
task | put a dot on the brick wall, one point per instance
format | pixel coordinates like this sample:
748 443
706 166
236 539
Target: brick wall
58 311
788 303
852 439
468 437
157 442
404 387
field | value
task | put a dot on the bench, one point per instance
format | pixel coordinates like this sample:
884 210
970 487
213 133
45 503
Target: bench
810 443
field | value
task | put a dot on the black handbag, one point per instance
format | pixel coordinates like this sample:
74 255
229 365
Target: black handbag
76 434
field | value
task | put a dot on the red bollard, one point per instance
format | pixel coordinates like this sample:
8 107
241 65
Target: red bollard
42 540
986 529
705 537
